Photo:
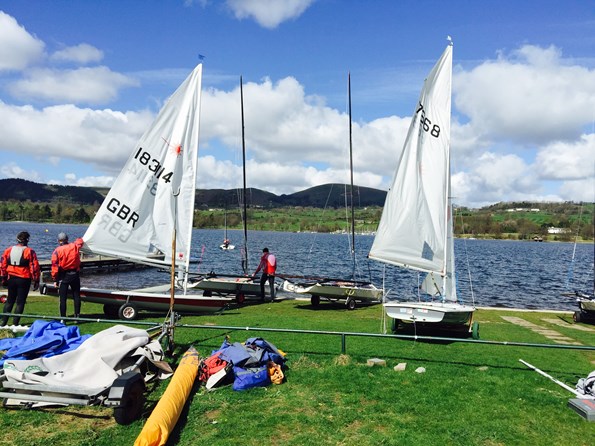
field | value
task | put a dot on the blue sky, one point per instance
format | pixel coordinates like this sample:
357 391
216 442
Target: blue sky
81 81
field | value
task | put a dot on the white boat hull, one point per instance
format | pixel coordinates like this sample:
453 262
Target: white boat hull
430 312
337 290
154 298
237 286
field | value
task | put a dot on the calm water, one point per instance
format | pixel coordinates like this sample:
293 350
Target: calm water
502 273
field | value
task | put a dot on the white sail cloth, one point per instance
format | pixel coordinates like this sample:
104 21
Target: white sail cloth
414 228
154 193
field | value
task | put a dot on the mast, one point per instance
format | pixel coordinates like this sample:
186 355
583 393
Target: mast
245 213
351 177
448 215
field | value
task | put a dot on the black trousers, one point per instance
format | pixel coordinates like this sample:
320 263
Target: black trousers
18 290
72 280
263 280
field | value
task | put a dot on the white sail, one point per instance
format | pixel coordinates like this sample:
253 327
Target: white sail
444 287
154 193
413 230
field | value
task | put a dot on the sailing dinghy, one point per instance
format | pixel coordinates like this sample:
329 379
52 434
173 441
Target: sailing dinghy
416 227
226 245
238 286
151 207
350 291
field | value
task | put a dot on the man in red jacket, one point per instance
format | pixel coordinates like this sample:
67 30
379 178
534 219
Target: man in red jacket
268 265
66 264
19 268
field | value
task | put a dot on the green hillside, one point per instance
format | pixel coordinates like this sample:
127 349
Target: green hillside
319 209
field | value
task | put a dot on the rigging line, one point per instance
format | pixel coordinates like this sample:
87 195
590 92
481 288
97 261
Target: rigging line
571 268
460 215
320 220
467 260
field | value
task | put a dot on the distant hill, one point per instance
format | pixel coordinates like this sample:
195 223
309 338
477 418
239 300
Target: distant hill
21 190
334 195
328 195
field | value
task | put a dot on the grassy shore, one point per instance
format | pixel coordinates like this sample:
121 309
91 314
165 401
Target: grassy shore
470 393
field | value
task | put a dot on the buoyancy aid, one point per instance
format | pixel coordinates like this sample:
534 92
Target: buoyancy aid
271 265
20 261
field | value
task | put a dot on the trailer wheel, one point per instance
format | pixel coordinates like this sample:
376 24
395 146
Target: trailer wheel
576 317
128 312
131 404
315 300
110 311
350 303
240 298
475 330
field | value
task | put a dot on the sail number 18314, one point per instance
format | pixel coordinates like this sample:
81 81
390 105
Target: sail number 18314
153 165
426 124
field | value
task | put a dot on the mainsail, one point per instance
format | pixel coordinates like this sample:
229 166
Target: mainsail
415 230
154 194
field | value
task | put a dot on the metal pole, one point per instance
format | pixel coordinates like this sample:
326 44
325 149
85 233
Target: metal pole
560 383
351 179
394 336
245 212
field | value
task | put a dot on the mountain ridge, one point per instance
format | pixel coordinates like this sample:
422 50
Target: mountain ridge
328 195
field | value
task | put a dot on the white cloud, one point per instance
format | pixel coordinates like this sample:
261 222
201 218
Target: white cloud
97 85
99 137
12 170
272 176
579 190
568 160
286 127
71 179
82 54
494 178
268 13
531 97
18 48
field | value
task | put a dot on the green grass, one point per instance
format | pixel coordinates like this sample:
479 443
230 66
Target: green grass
471 394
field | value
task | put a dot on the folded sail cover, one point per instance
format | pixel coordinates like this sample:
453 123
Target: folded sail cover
164 417
154 193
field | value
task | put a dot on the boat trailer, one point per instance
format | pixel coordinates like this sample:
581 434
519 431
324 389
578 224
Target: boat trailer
126 394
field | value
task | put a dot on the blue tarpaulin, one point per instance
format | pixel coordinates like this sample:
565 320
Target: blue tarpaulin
43 339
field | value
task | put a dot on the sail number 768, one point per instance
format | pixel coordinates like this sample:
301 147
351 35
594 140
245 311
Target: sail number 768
152 164
426 124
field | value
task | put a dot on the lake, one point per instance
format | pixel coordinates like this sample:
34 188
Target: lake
496 273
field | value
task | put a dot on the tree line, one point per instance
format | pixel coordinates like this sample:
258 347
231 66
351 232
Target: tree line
497 221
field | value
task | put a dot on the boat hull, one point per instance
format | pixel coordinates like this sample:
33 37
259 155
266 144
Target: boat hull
226 286
587 305
337 290
430 312
154 298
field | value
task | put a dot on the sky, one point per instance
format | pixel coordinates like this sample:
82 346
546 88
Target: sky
80 82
